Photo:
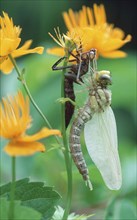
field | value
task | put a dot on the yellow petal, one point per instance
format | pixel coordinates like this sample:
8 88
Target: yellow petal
67 21
6 66
20 52
23 148
8 45
26 45
83 21
97 14
114 54
43 133
117 33
56 51
72 18
90 16
113 44
2 59
15 117
103 17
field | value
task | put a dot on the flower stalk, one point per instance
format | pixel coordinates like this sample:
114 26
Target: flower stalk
23 81
12 192
66 153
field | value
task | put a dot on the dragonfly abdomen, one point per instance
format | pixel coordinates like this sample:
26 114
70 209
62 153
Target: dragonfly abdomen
75 146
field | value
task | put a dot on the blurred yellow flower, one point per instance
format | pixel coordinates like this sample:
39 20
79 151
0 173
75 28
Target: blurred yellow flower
9 42
14 121
93 31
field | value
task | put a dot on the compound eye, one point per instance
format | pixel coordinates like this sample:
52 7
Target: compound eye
106 79
92 54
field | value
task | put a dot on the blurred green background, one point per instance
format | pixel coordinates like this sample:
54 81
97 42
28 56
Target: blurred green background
37 18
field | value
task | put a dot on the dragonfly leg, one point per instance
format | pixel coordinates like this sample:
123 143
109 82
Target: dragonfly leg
107 94
64 100
103 98
56 67
79 71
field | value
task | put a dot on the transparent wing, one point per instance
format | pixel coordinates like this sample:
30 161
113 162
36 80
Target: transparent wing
101 140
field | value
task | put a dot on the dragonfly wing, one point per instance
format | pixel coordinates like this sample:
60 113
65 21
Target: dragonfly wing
101 141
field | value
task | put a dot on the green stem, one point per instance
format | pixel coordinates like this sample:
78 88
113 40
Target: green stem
12 192
66 155
22 79
66 152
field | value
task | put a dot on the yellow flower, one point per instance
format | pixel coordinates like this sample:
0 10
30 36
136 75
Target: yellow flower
93 31
9 42
14 121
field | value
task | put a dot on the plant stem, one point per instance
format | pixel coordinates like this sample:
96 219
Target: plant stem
12 192
22 79
66 155
66 152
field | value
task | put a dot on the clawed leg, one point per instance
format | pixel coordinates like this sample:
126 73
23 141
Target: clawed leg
107 94
74 76
56 67
79 71
79 61
64 100
99 102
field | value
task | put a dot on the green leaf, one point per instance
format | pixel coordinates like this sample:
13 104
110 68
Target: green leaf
34 195
20 212
121 209
6 188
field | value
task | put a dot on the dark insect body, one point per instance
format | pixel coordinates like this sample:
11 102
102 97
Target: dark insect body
74 75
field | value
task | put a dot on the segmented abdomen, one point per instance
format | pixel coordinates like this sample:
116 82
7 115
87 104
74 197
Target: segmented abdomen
84 115
69 93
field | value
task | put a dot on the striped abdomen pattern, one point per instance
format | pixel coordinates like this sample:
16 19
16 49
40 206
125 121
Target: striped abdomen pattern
84 115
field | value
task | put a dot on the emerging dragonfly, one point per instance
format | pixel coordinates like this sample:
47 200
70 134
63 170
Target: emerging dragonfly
74 74
98 121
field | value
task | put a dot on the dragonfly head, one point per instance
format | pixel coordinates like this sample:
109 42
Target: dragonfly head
92 54
103 77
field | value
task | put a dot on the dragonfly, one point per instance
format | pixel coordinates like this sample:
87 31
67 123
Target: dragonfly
100 133
76 70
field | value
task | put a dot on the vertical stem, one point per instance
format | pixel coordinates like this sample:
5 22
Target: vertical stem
66 155
66 152
21 78
12 192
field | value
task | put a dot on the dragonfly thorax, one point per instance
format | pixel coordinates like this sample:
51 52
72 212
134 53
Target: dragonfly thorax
99 99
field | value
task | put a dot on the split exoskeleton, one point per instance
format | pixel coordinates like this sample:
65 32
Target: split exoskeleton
78 67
